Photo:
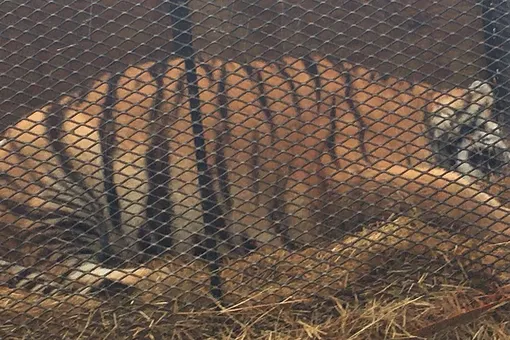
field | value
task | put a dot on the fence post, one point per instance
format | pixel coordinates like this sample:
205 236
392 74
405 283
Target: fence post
496 26
214 223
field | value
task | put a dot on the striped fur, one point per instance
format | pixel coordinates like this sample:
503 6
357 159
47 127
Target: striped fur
109 177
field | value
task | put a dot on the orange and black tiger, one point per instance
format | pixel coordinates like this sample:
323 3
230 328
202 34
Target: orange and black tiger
109 174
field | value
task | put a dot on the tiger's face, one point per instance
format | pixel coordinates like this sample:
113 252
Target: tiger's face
465 138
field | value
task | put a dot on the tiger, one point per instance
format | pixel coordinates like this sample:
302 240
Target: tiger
106 176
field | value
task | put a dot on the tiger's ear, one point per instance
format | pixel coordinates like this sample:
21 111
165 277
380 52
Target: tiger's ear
481 93
479 99
481 87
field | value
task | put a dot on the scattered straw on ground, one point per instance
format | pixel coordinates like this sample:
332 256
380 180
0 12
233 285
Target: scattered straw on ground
401 280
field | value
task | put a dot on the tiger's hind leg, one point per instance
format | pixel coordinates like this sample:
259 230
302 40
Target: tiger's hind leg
63 277
156 283
45 260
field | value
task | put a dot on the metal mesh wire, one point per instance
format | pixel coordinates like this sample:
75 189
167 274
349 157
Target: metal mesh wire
345 164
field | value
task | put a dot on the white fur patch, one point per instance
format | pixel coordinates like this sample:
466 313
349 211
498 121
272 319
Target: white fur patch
466 123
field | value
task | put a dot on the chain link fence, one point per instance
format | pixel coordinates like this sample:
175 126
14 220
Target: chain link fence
244 170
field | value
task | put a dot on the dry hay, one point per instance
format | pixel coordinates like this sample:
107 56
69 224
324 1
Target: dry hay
386 283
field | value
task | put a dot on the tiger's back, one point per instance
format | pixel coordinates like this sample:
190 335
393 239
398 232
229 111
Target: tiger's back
113 171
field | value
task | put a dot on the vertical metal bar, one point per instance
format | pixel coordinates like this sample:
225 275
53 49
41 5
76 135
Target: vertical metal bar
212 215
496 26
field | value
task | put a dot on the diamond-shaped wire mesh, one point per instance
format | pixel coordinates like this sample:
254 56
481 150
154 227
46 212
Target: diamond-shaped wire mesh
310 169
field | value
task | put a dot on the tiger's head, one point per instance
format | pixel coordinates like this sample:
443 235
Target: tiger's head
464 136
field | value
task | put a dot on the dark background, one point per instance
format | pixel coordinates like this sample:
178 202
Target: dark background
47 47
